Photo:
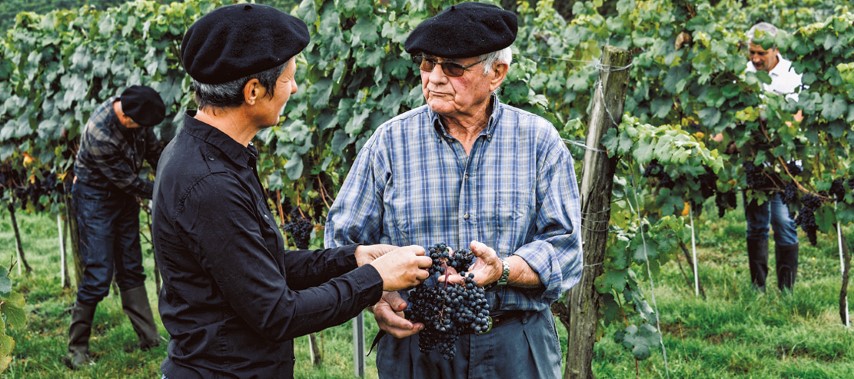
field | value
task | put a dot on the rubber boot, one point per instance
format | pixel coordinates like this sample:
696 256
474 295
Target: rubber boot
757 256
136 307
787 266
78 335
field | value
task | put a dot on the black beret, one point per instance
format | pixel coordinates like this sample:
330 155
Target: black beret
464 30
239 40
143 105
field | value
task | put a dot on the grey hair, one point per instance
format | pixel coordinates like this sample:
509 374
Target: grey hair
504 55
230 94
764 27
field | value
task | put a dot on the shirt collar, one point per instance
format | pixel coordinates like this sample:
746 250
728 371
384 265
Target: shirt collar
497 109
783 66
216 139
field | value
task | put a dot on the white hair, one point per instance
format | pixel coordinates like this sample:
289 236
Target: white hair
764 27
504 55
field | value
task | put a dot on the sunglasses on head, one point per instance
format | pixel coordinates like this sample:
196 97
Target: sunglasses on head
454 69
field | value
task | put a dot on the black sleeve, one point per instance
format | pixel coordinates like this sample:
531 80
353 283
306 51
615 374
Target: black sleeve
309 268
222 221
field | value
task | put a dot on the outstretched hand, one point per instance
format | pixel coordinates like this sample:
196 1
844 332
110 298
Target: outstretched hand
368 253
403 267
388 313
487 268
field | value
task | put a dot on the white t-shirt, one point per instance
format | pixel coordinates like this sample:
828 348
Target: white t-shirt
784 80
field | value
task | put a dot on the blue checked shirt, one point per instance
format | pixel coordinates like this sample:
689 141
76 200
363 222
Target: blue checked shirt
413 184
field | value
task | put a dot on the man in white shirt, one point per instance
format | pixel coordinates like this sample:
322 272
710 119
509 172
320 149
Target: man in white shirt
784 81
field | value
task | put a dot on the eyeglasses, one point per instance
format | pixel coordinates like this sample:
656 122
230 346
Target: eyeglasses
452 69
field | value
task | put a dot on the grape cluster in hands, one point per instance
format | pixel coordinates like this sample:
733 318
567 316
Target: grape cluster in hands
446 309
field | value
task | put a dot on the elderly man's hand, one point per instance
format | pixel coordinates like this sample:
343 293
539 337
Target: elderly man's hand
403 267
486 269
388 313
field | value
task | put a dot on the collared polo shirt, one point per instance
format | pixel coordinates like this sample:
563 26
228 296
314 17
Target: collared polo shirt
784 80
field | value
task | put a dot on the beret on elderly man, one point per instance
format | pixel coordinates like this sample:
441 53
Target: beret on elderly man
464 30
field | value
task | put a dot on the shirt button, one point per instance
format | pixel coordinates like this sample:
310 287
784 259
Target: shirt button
466 216
466 177
210 158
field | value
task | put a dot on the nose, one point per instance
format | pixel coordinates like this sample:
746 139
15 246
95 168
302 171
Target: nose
437 74
294 88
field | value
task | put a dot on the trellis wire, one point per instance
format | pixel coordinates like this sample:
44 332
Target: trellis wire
694 252
649 274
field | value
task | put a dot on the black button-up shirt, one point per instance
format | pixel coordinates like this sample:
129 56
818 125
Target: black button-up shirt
233 299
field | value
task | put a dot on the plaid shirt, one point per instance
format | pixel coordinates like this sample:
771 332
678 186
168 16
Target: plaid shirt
413 184
110 155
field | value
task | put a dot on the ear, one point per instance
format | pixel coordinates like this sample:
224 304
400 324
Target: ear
498 73
252 91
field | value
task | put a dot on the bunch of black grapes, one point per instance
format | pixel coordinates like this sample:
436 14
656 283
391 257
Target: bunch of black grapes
655 170
806 216
837 190
299 228
756 178
790 193
447 310
725 201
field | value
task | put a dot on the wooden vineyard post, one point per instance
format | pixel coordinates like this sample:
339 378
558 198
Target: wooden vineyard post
71 216
22 260
597 180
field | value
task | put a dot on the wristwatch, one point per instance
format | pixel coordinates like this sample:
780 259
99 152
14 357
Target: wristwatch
505 275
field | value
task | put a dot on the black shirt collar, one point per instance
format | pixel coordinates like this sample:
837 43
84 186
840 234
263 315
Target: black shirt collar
219 141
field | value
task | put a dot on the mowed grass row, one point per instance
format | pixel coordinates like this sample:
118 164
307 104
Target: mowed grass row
734 333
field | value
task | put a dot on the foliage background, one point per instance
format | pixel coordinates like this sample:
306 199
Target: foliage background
687 84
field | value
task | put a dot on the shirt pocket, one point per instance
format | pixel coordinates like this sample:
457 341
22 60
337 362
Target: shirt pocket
511 216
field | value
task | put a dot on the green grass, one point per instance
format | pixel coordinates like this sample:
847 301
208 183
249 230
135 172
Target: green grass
734 333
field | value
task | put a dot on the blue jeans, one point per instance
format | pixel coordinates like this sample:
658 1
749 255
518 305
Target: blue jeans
108 228
773 212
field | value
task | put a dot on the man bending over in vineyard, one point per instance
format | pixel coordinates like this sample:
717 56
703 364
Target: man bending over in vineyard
233 299
106 194
461 169
784 81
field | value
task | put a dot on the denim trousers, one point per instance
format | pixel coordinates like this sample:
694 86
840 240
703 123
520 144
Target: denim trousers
774 212
108 229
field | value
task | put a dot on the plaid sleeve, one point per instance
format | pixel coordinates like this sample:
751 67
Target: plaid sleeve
555 253
108 154
356 215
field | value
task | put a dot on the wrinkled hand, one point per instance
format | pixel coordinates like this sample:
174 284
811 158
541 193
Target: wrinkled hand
487 268
388 313
368 253
403 267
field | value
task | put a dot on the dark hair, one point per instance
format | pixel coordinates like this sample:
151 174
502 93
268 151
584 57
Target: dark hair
230 94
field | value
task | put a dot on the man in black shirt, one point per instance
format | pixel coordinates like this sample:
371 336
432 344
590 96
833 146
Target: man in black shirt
106 193
233 299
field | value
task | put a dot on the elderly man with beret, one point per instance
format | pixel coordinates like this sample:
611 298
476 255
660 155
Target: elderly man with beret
233 299
471 172
106 193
